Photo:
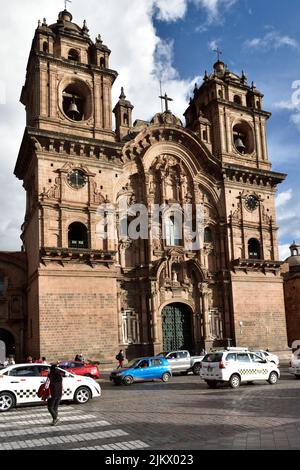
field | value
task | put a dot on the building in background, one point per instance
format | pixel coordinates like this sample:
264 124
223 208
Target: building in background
85 293
291 276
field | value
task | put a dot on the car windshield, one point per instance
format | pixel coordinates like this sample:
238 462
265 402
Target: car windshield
215 357
133 363
162 354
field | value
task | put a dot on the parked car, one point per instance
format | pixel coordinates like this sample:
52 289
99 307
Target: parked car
236 367
141 370
268 356
19 384
182 361
294 366
80 368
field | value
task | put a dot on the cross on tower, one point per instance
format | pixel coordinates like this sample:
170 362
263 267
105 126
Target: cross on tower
219 53
66 3
166 99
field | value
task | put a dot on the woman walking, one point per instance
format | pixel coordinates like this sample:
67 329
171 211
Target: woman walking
55 385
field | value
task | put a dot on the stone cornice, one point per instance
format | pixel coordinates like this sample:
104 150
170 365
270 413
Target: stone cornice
81 256
239 173
264 266
37 140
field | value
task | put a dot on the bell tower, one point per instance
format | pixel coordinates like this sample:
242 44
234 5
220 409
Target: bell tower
68 162
236 129
68 82
228 116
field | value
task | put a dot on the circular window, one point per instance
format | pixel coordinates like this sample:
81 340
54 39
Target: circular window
76 101
251 202
243 138
77 179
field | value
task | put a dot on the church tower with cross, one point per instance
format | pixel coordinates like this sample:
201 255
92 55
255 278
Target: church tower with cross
203 271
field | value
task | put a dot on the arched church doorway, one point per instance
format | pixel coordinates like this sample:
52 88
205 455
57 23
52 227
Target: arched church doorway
177 327
7 344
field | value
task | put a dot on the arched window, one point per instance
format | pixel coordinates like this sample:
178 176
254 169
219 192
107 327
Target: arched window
73 55
220 93
254 249
237 99
173 230
2 287
208 237
77 236
102 62
45 47
125 119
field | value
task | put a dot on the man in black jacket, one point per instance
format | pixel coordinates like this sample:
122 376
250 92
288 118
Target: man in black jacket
55 384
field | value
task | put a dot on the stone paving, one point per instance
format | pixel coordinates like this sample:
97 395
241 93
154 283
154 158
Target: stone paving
182 414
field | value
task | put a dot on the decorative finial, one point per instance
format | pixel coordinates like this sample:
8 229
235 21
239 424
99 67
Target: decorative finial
98 39
39 23
85 29
195 89
205 76
244 77
166 99
253 86
122 95
44 22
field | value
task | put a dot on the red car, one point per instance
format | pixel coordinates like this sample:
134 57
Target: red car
79 368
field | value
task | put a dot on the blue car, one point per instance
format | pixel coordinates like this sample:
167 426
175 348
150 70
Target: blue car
141 370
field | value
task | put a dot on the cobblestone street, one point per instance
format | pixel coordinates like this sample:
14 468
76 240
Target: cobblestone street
181 414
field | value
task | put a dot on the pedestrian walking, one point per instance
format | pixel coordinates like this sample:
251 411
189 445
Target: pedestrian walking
120 357
55 385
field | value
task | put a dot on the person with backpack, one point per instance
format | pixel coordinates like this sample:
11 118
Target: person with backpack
120 357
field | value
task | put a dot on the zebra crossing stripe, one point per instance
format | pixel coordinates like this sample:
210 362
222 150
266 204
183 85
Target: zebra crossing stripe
61 427
126 445
47 441
23 422
11 415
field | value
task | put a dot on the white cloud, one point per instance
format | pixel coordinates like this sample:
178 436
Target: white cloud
284 197
170 10
284 251
271 40
213 8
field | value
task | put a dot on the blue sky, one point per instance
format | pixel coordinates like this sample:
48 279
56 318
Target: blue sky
173 39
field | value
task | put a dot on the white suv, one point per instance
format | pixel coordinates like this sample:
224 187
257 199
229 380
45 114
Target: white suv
294 366
236 367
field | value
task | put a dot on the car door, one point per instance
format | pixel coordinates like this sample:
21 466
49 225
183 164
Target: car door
261 367
157 369
183 361
172 358
142 370
26 381
246 368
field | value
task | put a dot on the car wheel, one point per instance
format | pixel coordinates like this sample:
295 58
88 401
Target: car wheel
7 401
165 377
235 381
273 377
127 380
212 383
196 369
82 395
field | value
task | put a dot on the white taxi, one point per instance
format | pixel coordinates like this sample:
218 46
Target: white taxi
236 367
19 384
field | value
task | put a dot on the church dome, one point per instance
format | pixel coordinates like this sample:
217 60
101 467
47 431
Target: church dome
294 260
64 24
166 118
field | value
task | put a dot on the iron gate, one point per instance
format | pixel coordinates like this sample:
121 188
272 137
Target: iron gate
177 327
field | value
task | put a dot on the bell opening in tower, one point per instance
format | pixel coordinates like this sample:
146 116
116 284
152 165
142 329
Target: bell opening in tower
76 102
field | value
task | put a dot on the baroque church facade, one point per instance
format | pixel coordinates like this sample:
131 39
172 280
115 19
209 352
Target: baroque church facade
71 290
